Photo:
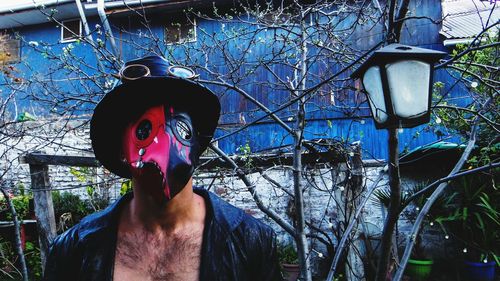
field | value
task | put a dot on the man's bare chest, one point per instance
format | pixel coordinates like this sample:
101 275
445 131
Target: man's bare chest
141 256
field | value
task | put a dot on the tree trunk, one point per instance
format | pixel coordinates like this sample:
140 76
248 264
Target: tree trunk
355 267
300 231
17 235
300 234
345 236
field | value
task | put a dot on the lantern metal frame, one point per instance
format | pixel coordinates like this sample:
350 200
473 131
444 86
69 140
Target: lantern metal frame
395 53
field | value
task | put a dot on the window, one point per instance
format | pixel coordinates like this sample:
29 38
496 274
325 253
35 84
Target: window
70 30
180 31
10 50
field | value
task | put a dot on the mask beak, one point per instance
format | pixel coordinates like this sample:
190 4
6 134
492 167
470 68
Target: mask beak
155 163
146 148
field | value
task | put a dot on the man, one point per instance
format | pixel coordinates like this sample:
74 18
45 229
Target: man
152 128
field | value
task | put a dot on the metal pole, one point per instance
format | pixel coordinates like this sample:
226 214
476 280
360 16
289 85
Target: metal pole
88 36
107 27
394 207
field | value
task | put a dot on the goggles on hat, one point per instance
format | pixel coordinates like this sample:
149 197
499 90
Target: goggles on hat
136 71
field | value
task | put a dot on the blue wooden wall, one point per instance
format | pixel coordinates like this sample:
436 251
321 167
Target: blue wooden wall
324 118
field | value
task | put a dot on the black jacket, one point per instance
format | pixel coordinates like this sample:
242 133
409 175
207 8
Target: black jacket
236 246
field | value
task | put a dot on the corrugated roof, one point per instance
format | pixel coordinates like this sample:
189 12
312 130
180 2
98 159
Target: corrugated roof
467 18
28 12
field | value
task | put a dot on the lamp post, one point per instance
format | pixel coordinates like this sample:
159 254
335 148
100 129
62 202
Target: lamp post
398 82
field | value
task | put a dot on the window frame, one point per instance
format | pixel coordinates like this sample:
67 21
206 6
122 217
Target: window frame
63 27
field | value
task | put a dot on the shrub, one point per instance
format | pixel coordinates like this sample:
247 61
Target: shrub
69 209
9 261
21 204
287 254
33 260
474 217
126 187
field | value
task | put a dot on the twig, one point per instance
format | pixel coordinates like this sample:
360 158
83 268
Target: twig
347 232
251 188
430 201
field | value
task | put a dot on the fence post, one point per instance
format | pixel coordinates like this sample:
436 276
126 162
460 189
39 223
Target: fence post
44 208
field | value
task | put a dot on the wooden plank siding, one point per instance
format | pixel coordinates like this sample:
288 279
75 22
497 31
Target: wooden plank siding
325 119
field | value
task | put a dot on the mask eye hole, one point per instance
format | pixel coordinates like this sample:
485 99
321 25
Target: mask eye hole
144 129
183 130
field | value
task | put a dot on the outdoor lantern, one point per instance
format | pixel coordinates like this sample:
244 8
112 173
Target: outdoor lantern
398 80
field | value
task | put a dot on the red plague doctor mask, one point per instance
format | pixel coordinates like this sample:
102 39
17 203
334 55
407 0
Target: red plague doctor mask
161 149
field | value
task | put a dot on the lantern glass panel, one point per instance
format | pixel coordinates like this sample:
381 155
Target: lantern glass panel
409 87
373 85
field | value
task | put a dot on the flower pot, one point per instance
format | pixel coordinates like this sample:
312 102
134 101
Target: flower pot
479 271
418 270
290 271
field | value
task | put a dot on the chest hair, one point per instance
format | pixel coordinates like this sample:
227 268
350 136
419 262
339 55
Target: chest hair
174 257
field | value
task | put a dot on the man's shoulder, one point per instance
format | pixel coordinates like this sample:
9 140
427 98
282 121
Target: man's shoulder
250 223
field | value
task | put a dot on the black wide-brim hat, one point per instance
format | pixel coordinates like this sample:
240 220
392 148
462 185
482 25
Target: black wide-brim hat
132 98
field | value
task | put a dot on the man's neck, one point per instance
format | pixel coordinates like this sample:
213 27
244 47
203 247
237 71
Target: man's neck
147 212
158 241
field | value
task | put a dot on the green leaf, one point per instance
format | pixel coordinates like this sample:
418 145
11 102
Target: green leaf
479 221
126 187
29 246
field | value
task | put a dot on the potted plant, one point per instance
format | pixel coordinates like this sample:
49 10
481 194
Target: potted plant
421 262
473 220
289 261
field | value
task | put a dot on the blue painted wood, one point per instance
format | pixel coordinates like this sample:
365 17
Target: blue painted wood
326 114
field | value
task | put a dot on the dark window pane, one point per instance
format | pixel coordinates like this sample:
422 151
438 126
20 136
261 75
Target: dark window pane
180 31
70 30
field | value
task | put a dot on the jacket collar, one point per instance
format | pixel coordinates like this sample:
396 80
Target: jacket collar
225 215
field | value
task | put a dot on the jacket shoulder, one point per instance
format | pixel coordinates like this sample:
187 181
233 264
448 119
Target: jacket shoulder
256 235
244 246
67 250
254 227
232 218
66 245
63 255
259 243
87 226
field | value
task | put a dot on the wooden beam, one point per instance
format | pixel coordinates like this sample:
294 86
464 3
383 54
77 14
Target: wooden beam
45 159
205 163
44 208
268 160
